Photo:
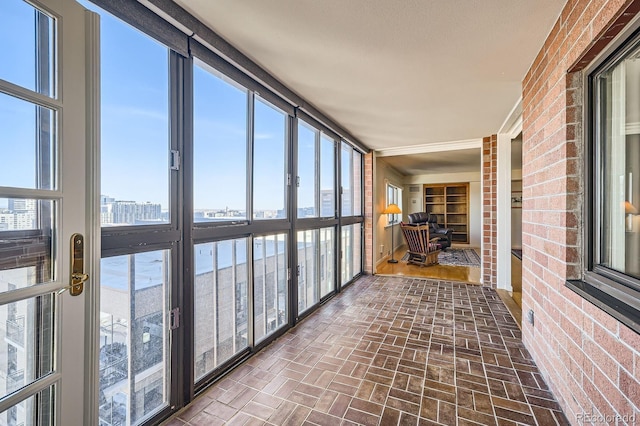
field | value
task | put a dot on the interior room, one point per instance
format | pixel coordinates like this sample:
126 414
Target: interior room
446 184
319 212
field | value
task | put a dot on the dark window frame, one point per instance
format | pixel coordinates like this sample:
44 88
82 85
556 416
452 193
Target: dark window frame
614 292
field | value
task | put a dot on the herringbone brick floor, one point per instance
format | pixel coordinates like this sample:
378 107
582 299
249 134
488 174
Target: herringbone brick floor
389 351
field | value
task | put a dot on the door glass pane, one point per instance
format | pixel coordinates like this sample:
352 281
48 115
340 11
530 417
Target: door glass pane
26 242
327 261
135 125
220 303
307 267
35 410
327 177
345 163
269 169
269 284
134 336
306 171
347 253
27 37
220 147
26 333
357 183
27 143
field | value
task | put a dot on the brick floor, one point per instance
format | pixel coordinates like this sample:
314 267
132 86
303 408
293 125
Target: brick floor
389 351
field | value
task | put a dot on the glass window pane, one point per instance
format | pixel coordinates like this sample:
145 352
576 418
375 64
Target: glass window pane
135 126
356 250
26 333
357 183
27 37
345 163
27 143
347 254
35 410
327 261
220 303
220 147
327 177
134 336
26 228
269 170
307 276
619 179
307 167
269 284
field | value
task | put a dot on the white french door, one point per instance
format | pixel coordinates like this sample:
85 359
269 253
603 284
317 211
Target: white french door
44 182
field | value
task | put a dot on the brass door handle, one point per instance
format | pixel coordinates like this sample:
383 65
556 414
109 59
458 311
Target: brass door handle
78 277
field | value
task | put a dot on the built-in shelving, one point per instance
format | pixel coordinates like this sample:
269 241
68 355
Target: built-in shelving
450 204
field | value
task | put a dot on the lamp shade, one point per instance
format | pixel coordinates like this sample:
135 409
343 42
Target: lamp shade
630 208
392 209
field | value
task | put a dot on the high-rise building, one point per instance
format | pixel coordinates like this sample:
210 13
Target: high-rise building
128 212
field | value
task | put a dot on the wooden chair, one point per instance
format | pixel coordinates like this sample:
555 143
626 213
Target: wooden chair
423 250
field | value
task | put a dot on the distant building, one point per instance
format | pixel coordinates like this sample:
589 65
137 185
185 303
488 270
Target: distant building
327 203
20 214
115 212
17 205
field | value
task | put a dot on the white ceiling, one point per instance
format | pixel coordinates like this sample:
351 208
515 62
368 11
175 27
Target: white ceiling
460 161
393 72
442 162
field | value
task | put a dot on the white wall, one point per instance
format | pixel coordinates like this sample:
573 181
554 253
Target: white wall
475 216
386 174
413 201
475 197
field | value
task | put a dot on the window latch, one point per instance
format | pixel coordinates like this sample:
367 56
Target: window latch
174 318
175 159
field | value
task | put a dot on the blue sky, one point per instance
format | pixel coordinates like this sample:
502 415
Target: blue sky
135 124
17 118
135 130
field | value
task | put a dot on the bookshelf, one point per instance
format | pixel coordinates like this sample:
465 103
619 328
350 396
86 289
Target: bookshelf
450 204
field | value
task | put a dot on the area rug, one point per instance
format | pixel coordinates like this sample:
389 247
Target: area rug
456 257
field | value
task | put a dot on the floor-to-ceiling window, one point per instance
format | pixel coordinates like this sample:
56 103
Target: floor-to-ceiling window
238 166
351 213
224 211
139 218
316 218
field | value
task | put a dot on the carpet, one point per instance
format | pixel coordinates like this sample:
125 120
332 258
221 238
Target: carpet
456 257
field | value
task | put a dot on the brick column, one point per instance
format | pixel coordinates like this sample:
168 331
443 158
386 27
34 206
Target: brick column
368 213
489 207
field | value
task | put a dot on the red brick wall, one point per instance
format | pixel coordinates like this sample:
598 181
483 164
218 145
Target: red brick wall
368 213
590 360
489 209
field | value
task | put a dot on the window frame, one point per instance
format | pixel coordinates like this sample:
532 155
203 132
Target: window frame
396 199
616 293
